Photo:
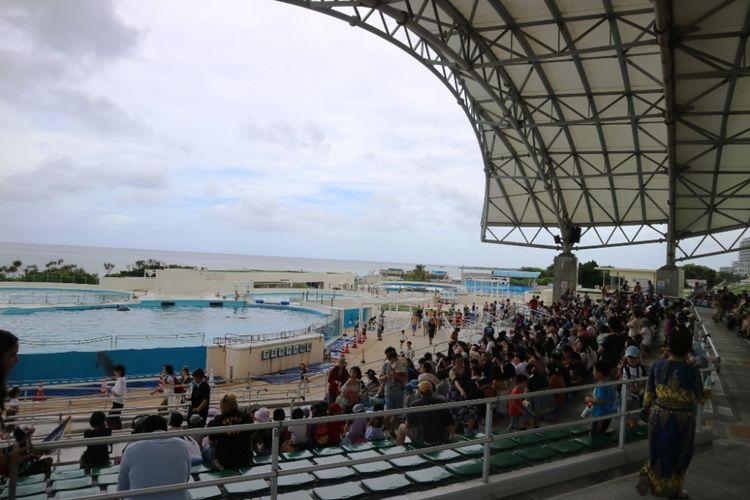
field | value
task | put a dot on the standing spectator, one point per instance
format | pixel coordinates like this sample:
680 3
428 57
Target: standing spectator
200 397
603 401
8 359
184 381
394 379
155 462
673 389
632 369
167 384
233 449
118 398
401 340
96 455
428 428
12 410
303 381
516 407
337 376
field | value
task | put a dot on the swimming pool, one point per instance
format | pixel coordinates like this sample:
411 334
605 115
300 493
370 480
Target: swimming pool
53 296
147 327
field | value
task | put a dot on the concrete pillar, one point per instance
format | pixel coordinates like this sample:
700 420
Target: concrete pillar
669 281
565 274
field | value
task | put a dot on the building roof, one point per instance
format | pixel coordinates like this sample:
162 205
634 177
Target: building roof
618 116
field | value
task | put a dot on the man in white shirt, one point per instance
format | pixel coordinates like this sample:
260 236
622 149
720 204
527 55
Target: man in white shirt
155 462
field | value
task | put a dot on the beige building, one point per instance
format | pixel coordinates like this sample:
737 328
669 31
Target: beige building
206 283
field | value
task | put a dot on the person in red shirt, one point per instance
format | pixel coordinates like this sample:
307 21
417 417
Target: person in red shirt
336 378
335 429
515 406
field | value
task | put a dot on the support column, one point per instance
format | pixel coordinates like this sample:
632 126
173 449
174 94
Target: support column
670 281
565 269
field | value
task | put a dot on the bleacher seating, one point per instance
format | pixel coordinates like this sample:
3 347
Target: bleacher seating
372 480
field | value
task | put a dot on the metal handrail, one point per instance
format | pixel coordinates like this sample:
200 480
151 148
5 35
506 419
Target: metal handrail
277 426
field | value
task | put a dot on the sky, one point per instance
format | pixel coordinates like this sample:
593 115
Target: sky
249 127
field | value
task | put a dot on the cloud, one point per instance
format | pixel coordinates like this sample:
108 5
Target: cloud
308 135
62 177
74 28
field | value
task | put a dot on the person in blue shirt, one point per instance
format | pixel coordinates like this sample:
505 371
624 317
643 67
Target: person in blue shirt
489 331
155 462
603 401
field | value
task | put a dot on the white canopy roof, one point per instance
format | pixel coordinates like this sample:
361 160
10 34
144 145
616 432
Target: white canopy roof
591 113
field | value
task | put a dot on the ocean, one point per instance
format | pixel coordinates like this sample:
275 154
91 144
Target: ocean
92 259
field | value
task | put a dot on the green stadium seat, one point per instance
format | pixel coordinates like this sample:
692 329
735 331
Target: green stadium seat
113 469
327 451
112 488
107 479
67 474
256 469
217 474
295 464
23 490
578 430
473 450
382 443
339 492
441 456
466 468
294 495
205 492
39 496
536 453
595 441
197 469
363 454
408 462
528 439
394 449
386 484
34 478
334 474
430 475
297 455
502 444
84 492
353 448
333 459
75 483
296 480
554 434
251 487
506 460
75 466
262 459
567 447
474 435
372 467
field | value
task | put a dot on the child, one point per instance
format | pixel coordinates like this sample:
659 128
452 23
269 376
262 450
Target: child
401 340
409 350
516 408
633 369
374 430
96 455
12 409
603 401
175 424
298 432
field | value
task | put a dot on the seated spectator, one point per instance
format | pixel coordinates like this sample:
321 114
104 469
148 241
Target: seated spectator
375 431
262 439
335 429
233 449
297 433
516 407
96 455
155 462
279 415
355 430
429 428
175 424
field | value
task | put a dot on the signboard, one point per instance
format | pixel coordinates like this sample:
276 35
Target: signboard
563 285
289 350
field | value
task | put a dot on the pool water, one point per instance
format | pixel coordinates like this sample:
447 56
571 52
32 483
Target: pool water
99 329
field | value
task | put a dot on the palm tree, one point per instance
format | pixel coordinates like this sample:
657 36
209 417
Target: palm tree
108 267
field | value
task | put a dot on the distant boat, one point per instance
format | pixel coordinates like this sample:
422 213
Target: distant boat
123 308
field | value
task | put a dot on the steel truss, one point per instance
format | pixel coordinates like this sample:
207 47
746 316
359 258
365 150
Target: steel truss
598 117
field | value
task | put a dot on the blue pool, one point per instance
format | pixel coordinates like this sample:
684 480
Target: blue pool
147 327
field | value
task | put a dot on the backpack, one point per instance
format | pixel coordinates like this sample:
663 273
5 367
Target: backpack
321 434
